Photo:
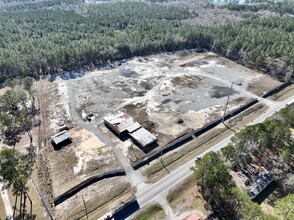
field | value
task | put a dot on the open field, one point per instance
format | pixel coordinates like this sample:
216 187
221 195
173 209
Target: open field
157 91
86 156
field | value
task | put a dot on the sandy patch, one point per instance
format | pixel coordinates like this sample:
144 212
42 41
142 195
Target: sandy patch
59 107
84 157
88 149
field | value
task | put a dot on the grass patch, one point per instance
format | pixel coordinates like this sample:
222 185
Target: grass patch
149 213
284 94
184 197
179 190
99 203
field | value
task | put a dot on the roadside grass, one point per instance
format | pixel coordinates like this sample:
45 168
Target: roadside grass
284 94
176 192
99 205
150 213
164 165
184 197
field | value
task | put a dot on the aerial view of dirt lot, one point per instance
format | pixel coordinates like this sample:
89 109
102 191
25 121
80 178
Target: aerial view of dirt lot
86 156
168 94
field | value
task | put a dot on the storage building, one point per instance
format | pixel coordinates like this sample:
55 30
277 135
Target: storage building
143 137
60 137
119 122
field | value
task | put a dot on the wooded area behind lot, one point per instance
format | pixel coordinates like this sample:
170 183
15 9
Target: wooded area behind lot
53 36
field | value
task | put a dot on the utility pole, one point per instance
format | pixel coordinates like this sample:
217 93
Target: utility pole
85 207
226 106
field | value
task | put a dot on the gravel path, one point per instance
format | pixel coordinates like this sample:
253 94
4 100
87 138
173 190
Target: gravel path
135 178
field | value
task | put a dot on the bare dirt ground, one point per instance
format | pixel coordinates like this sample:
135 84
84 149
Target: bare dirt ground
159 90
170 161
86 156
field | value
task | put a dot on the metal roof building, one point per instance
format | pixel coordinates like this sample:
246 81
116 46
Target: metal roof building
60 137
260 185
143 137
133 127
119 122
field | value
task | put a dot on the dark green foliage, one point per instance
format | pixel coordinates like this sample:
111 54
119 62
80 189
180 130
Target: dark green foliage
76 35
14 173
13 170
279 7
217 187
15 118
266 44
211 172
287 115
270 135
52 40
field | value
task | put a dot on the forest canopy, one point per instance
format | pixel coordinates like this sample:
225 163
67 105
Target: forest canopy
60 36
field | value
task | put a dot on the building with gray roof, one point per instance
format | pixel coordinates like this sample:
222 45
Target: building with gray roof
143 137
123 124
260 185
61 137
119 122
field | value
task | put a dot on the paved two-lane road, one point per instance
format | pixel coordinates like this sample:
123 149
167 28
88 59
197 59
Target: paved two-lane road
150 193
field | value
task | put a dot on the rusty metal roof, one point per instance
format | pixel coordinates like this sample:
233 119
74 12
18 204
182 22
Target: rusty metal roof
119 121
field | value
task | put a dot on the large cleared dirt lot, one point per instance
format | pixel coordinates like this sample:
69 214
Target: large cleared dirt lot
169 94
159 90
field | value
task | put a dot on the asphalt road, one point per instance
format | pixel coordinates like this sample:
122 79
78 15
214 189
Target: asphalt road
150 193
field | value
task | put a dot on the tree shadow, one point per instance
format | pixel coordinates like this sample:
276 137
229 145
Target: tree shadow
25 216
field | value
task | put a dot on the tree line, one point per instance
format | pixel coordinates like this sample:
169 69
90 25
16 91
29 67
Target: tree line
56 40
281 7
17 111
268 144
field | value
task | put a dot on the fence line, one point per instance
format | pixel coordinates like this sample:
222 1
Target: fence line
167 148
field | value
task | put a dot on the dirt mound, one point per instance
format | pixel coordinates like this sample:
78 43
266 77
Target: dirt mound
186 81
